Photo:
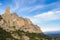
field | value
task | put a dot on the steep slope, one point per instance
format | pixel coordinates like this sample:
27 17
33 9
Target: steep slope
11 22
13 27
21 35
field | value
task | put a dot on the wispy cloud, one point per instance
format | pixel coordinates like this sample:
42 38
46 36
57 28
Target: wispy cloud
50 29
47 16
33 8
15 6
1 11
27 5
52 15
40 7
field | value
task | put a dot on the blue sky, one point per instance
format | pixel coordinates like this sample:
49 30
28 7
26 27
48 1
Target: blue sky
44 13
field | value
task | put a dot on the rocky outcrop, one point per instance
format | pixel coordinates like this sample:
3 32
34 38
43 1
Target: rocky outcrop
13 27
25 37
12 22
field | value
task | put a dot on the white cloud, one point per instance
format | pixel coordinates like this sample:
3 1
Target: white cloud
23 5
48 16
15 5
47 29
33 8
1 11
36 7
45 17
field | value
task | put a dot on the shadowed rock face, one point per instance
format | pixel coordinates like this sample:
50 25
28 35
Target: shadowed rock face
12 22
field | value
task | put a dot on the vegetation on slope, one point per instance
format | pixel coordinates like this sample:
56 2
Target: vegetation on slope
5 35
33 36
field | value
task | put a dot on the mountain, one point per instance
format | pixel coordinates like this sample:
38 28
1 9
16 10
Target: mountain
53 34
12 22
13 27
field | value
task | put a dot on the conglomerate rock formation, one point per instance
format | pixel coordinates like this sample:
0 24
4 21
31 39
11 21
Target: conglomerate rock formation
13 27
12 22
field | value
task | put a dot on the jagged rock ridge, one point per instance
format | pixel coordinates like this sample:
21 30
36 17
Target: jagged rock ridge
13 27
12 22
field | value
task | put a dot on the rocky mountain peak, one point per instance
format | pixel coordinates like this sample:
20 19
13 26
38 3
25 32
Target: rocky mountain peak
7 12
12 22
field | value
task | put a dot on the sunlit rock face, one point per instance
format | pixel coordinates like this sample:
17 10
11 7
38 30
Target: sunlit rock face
12 22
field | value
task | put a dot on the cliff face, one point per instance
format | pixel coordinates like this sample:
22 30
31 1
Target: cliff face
13 27
12 22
